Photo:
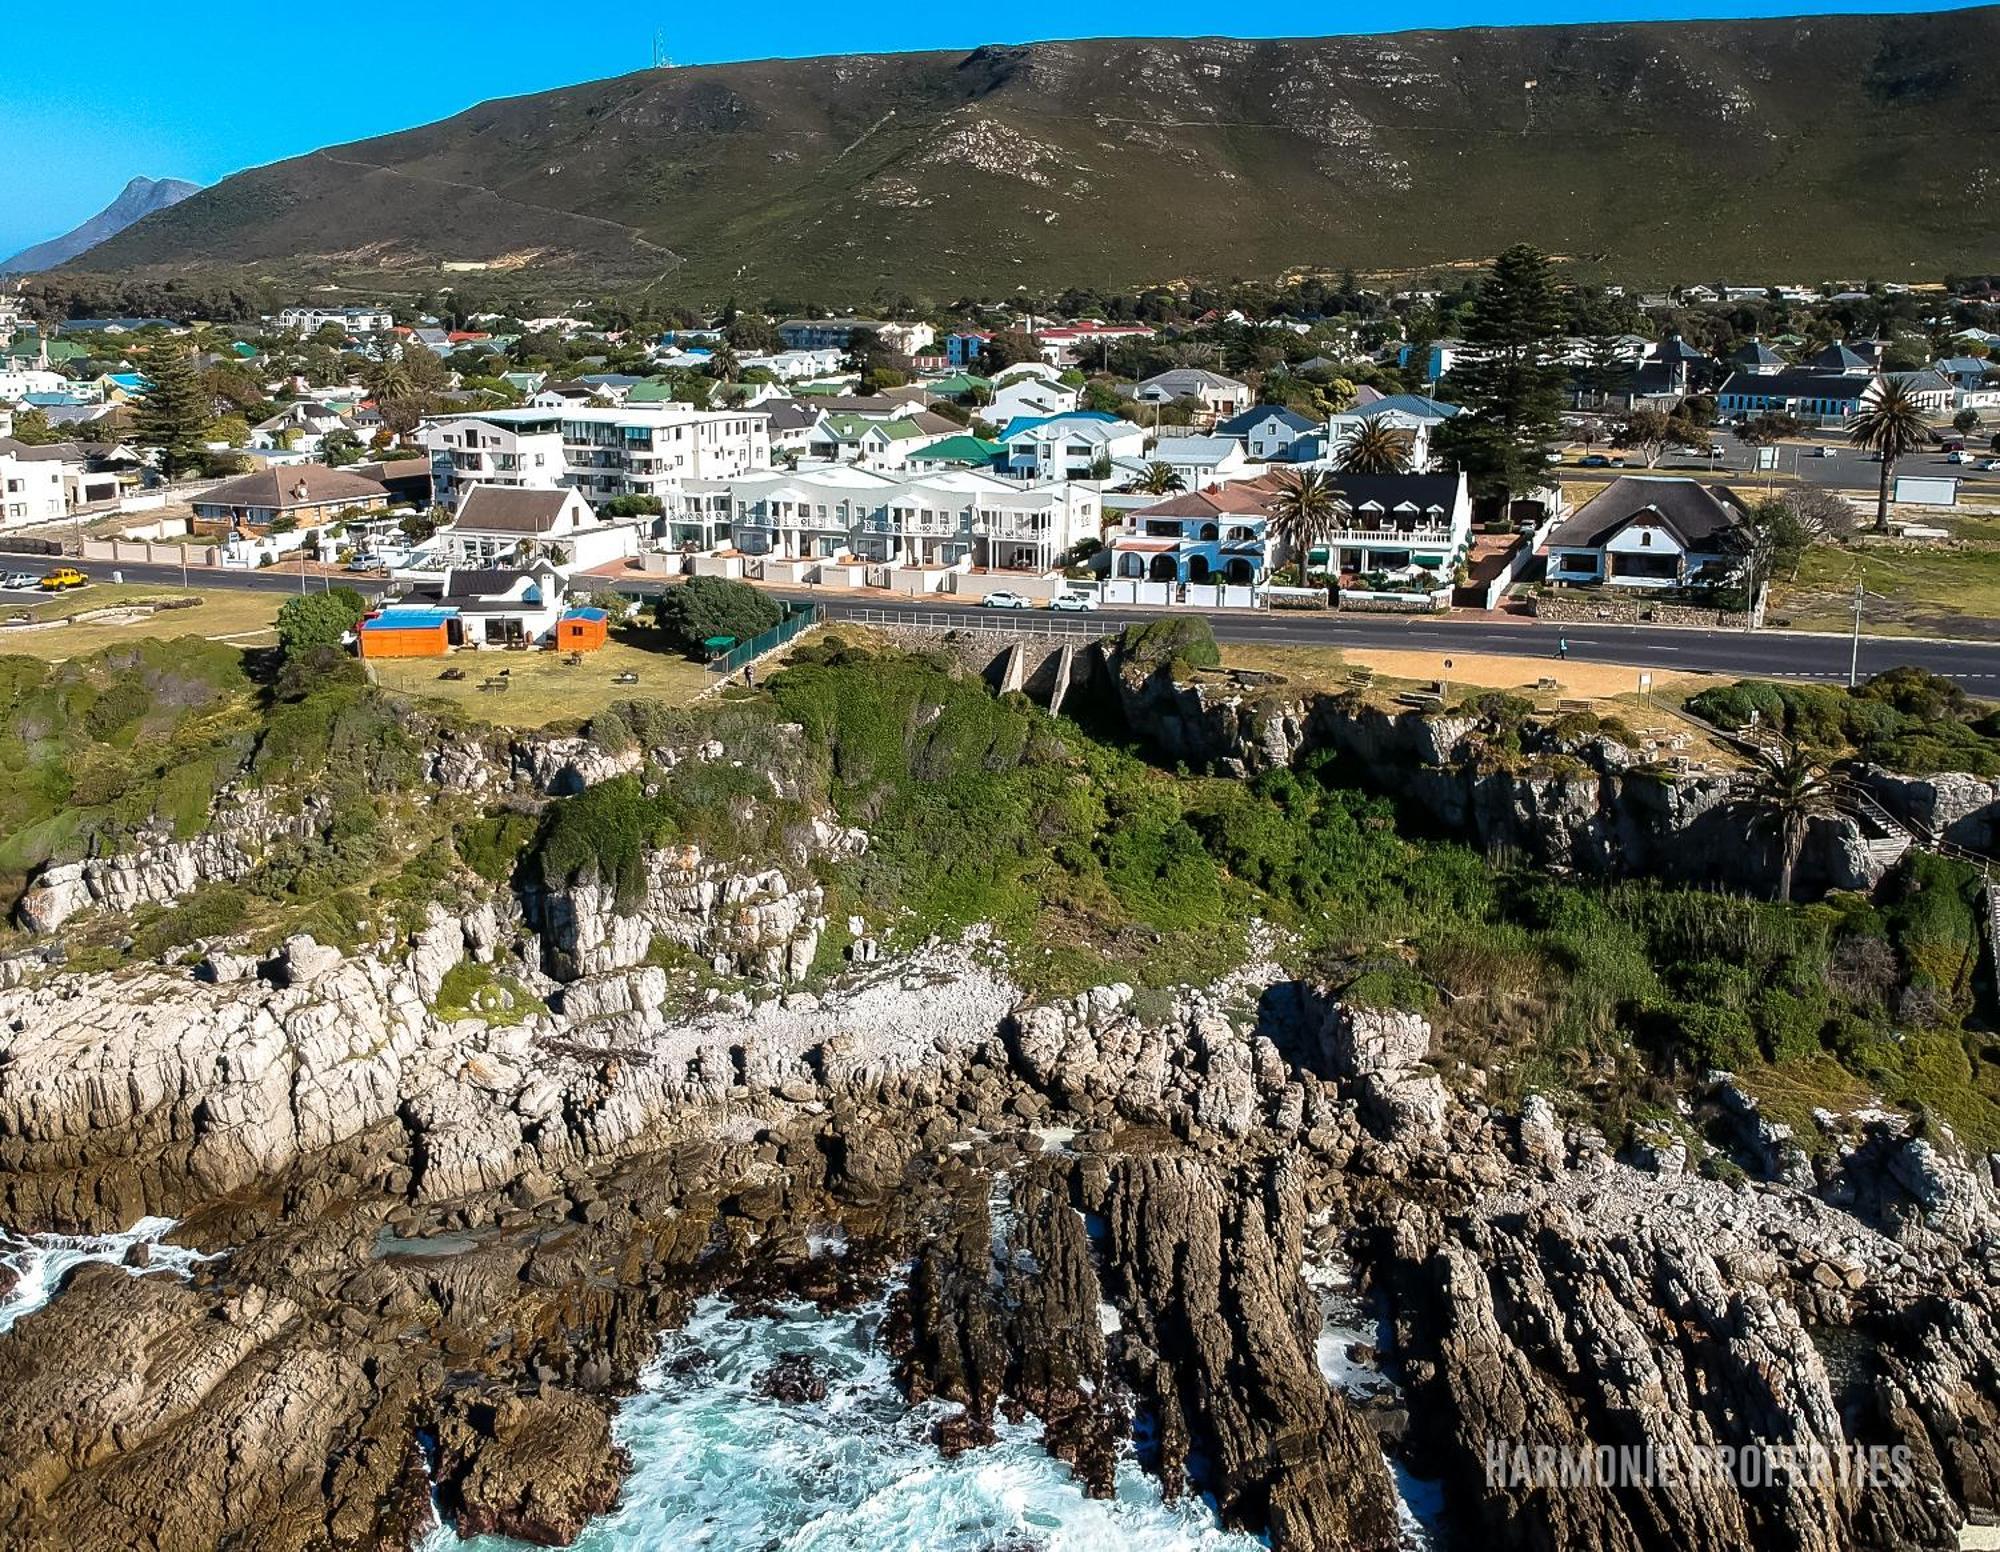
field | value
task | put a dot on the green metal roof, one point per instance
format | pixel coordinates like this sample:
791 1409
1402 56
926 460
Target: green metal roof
965 449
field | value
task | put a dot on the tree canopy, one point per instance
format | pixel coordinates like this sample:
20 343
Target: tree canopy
703 607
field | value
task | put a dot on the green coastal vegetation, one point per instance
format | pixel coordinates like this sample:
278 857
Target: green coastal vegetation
1088 859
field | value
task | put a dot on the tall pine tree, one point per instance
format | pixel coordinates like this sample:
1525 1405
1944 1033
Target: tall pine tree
174 412
1511 377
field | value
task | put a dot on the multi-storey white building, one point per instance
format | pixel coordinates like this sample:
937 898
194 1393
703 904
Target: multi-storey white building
355 320
637 450
830 510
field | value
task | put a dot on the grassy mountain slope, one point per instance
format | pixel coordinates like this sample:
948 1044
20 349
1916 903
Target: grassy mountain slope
1866 145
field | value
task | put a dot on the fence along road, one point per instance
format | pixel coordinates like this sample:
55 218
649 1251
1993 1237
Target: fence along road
1764 654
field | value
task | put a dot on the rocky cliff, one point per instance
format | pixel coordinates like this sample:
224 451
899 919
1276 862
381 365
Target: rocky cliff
1581 802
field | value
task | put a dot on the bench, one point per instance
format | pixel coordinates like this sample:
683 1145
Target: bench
495 684
452 673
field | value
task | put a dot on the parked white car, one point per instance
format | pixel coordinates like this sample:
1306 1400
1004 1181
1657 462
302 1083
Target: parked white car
1823 451
1005 600
18 581
1073 603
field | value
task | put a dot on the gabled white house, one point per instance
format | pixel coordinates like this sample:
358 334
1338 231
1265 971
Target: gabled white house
1202 461
495 523
1219 396
1652 531
1068 447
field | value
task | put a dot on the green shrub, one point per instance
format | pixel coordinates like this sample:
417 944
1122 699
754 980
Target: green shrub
702 607
492 846
604 832
1182 640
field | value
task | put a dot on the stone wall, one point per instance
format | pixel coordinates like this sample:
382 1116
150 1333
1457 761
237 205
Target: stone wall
1608 606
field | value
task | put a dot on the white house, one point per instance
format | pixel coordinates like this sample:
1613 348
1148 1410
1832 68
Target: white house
1068 446
1413 414
499 607
1219 396
355 320
297 428
19 384
1202 461
496 523
834 511
1652 531
31 484
1027 391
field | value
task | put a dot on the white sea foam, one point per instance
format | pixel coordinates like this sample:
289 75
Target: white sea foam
716 1466
40 1262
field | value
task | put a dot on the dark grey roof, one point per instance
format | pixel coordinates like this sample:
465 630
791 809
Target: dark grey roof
1393 490
1693 513
1797 384
1757 353
1675 348
1838 358
788 414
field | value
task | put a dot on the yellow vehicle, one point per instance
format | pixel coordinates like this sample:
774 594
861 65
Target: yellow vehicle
63 578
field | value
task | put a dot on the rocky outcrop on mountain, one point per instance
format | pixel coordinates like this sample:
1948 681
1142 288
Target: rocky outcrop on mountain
1586 804
159 868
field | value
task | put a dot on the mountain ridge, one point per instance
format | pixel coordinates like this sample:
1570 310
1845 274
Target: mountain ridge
138 199
1651 151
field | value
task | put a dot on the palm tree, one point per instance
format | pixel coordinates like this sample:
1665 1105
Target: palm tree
1308 510
1160 479
1786 790
722 363
387 378
1374 448
1892 427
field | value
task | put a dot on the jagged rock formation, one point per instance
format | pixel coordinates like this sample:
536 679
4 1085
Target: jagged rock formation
476 1230
159 868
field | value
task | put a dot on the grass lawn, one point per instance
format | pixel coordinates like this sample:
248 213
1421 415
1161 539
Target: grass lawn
1611 690
1914 589
230 614
542 688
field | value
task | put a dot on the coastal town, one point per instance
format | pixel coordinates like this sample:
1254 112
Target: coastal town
1117 794
1322 455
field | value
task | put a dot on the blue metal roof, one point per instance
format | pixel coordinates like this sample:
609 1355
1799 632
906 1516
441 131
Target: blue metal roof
585 614
409 619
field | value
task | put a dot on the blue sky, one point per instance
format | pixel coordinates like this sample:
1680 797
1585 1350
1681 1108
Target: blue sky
172 91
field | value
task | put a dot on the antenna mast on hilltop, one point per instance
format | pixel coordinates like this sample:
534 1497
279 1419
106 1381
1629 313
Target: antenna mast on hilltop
660 59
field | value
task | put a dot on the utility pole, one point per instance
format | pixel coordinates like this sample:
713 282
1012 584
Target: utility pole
1854 652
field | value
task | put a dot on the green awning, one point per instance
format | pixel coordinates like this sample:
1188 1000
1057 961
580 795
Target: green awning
719 643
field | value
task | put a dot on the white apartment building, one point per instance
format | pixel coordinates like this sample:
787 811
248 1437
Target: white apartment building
824 511
636 450
355 320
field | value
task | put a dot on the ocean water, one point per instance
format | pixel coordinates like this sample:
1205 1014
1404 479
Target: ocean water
41 1261
715 1465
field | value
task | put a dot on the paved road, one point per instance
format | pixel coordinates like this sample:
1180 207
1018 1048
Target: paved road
1764 654
1846 470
